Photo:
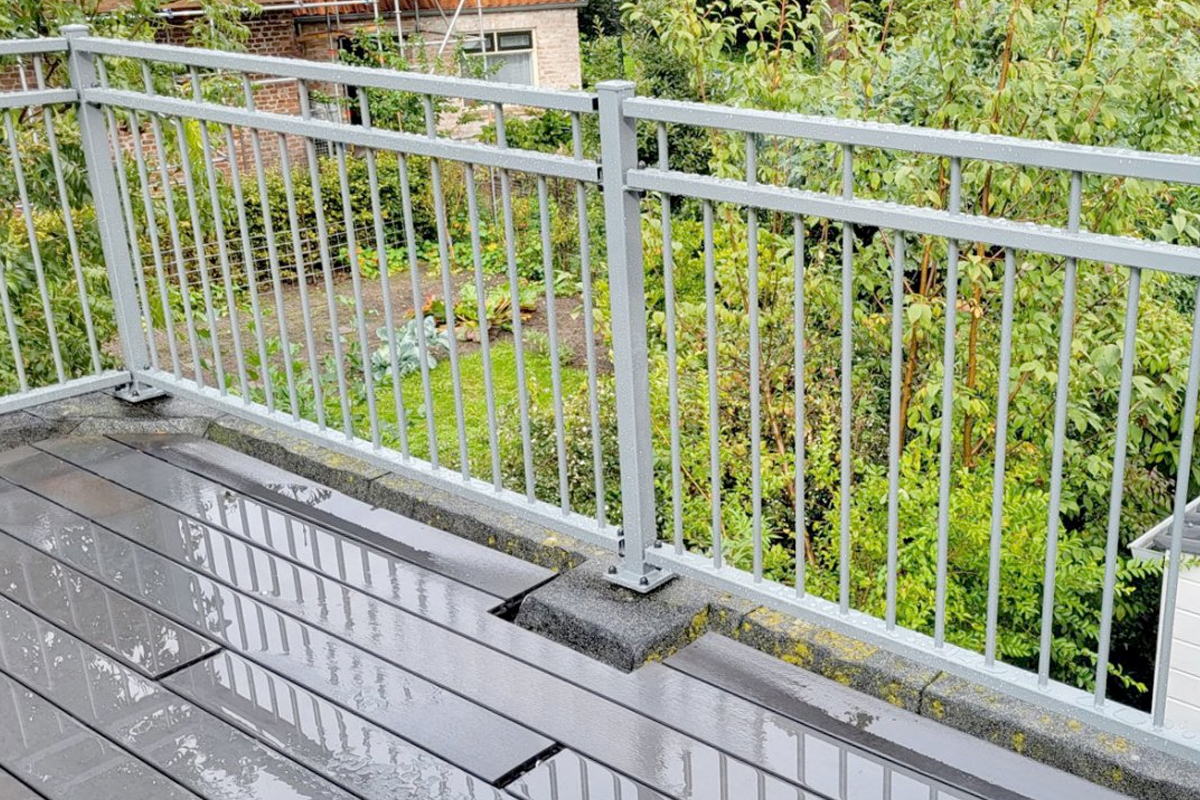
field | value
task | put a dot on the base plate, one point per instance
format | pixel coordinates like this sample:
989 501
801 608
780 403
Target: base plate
137 393
640 582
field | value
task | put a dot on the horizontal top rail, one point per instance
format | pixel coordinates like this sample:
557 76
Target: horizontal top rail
956 144
367 77
28 47
376 138
37 97
1123 250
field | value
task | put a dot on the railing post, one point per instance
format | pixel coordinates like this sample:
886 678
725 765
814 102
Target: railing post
98 158
626 283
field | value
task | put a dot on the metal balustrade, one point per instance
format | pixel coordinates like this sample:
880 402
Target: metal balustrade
200 310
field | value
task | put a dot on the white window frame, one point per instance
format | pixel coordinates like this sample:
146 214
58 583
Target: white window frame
492 46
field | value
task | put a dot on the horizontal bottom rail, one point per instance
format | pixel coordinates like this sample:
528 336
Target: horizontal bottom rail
506 501
1112 718
62 391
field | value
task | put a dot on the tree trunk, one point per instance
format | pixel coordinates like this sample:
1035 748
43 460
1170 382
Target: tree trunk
834 25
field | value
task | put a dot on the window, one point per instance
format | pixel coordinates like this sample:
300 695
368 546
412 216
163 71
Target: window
507 55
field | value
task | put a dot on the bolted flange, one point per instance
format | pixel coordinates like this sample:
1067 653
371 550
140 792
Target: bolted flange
638 581
135 392
635 574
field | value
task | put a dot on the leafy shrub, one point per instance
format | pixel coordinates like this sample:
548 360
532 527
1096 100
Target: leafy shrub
390 201
408 354
79 354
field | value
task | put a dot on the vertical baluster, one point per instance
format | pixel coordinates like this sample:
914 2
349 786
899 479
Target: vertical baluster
298 256
514 287
714 410
485 350
1066 333
235 178
798 324
264 201
668 256
896 428
360 314
414 272
443 233
385 281
946 453
801 758
22 76
843 792
14 342
335 336
847 466
564 496
1113 541
996 538
218 216
35 250
589 326
755 364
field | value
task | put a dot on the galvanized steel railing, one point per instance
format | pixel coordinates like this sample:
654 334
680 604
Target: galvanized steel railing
191 230
126 115
41 110
752 197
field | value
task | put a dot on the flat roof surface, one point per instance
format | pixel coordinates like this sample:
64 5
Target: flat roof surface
1191 535
179 620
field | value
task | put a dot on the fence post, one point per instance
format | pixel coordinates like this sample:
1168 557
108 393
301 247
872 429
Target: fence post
626 283
98 159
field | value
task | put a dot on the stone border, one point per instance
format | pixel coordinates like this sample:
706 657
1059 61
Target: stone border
439 508
580 609
1014 724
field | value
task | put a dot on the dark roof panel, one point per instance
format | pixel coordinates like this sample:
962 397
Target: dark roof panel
1191 535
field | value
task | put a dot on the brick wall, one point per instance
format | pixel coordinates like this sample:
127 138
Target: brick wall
555 39
273 35
270 35
10 77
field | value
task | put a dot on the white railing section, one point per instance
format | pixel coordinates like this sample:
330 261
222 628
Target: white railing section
953 226
172 199
35 369
230 307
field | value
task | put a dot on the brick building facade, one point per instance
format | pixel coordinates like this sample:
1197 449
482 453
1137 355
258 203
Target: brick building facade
527 41
524 41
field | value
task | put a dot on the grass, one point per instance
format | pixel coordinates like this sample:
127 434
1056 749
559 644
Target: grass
504 371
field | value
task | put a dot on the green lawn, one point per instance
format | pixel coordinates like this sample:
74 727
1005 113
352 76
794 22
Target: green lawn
504 371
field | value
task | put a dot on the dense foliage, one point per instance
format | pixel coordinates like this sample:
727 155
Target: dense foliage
1092 73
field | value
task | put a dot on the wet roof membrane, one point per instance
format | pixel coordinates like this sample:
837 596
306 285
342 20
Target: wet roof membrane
178 620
